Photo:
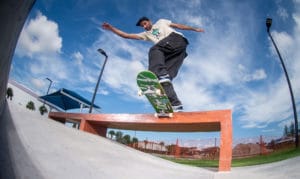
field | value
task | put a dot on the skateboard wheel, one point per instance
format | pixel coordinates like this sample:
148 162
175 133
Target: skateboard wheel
156 115
158 92
170 114
140 92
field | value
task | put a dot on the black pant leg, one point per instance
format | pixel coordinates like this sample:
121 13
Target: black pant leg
169 89
166 57
157 61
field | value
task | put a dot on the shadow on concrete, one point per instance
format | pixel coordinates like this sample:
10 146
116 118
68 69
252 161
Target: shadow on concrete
15 162
13 14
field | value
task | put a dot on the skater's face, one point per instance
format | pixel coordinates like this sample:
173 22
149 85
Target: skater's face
147 25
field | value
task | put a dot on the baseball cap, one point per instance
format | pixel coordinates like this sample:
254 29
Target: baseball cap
142 19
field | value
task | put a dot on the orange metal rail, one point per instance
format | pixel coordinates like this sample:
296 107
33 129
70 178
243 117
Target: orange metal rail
206 121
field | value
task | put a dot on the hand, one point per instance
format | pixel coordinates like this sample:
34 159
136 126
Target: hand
107 26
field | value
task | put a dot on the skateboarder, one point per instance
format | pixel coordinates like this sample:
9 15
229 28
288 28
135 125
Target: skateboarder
167 54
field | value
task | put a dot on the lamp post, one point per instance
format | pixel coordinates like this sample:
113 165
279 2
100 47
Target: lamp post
268 24
48 88
101 72
49 84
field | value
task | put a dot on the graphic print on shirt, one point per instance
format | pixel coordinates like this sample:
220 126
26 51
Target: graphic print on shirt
156 33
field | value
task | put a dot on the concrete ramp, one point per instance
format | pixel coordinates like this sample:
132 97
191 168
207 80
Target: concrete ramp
32 146
42 148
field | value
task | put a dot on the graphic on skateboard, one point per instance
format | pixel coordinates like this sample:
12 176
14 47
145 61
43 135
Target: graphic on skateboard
152 89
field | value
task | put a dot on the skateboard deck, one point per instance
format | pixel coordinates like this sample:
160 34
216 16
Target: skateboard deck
152 89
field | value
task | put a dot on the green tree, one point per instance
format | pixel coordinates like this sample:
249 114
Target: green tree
9 93
111 133
126 139
119 136
135 142
30 105
43 110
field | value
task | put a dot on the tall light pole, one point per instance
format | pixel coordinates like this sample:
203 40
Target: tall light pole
48 88
49 84
101 72
269 23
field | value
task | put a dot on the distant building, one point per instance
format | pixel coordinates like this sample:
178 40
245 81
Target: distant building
152 147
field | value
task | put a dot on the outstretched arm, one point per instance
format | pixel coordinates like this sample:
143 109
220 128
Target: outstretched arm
185 27
119 32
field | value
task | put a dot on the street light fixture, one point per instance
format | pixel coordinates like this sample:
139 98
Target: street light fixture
101 72
268 24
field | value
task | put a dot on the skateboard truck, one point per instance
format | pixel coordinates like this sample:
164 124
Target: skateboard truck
150 91
163 115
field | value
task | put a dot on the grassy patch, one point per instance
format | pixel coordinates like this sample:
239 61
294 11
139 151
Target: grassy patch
262 159
195 162
256 160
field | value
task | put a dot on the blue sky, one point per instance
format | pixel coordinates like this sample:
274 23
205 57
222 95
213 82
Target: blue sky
233 65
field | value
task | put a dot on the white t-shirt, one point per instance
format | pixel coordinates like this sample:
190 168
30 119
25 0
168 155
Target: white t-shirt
159 31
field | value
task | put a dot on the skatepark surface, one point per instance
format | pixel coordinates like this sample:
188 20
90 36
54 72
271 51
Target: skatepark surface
34 147
38 147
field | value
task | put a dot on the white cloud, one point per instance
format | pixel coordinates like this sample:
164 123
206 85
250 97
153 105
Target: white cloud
263 107
215 75
282 12
295 56
38 83
78 58
284 41
50 66
39 36
40 42
258 74
274 103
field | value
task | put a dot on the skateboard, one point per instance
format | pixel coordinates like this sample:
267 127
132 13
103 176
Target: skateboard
152 89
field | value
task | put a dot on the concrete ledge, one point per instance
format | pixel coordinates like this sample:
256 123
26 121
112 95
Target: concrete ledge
206 121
